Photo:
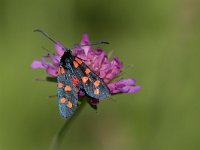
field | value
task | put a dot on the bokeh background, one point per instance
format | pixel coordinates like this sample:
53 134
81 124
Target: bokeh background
161 39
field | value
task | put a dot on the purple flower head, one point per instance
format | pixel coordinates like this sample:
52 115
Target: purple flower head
97 60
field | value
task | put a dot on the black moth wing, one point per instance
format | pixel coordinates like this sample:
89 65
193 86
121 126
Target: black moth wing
98 92
92 84
67 91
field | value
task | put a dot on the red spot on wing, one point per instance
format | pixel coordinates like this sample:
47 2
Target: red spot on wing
84 79
60 85
59 71
78 60
96 83
69 104
68 88
63 100
62 70
75 64
96 91
75 81
87 71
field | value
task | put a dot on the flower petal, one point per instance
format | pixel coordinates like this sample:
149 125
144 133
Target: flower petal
130 81
54 59
85 40
37 64
46 64
124 86
77 51
52 71
131 89
60 48
116 62
113 70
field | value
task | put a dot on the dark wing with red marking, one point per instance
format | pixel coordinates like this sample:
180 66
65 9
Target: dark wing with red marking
92 84
67 91
95 87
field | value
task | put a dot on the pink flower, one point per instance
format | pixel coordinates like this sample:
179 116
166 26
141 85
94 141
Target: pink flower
97 60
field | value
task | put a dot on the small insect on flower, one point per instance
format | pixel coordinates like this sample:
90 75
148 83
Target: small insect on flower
83 71
74 76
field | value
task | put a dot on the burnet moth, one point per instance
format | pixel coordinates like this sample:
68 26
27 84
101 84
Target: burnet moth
75 76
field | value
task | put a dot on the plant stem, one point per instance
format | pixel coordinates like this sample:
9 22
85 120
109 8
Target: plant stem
57 140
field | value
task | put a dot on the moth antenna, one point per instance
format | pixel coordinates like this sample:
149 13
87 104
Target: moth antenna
45 34
96 43
49 51
90 44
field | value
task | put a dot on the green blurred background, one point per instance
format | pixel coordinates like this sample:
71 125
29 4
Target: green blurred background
161 39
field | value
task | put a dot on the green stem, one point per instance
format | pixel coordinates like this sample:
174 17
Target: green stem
57 140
